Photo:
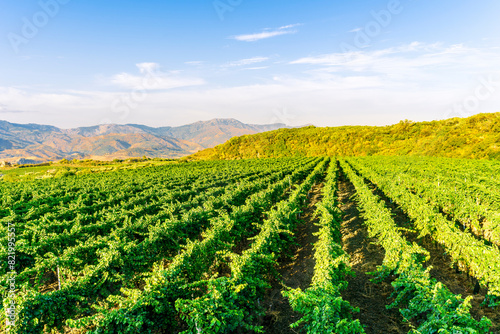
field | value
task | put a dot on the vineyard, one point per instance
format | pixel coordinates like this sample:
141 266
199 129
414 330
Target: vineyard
278 245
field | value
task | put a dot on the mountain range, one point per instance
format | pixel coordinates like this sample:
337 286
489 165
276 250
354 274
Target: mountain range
34 143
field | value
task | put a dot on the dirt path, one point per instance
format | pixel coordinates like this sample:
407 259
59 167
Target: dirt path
370 298
296 272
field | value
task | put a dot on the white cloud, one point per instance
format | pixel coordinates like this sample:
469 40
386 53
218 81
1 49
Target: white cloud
195 63
247 61
152 78
146 68
262 35
408 62
267 33
256 68
290 26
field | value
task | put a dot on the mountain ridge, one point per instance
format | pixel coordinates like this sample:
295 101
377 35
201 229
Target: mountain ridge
40 143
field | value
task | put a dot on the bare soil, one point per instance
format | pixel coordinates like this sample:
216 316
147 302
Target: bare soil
49 282
296 272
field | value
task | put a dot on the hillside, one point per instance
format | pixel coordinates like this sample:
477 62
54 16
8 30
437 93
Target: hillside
474 137
40 143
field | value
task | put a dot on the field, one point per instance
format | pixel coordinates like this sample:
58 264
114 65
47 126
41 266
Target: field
66 168
278 245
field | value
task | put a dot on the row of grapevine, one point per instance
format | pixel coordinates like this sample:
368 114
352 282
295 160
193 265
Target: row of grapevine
232 302
469 171
481 219
428 304
40 243
474 256
153 306
461 200
91 201
64 228
88 239
323 309
130 250
46 195
91 193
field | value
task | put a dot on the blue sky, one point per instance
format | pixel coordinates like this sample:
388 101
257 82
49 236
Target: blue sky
75 63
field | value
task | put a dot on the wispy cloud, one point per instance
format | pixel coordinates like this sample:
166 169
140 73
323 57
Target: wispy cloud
5 110
257 68
290 26
148 67
195 63
153 78
268 33
410 61
247 61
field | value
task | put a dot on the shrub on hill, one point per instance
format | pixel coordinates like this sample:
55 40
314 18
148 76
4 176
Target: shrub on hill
474 137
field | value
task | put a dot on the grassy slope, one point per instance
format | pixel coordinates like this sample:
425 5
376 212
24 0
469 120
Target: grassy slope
474 137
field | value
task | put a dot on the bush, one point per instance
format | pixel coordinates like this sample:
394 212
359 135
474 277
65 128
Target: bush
64 172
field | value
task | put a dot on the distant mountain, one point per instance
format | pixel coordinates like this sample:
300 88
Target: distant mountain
40 143
476 137
211 133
